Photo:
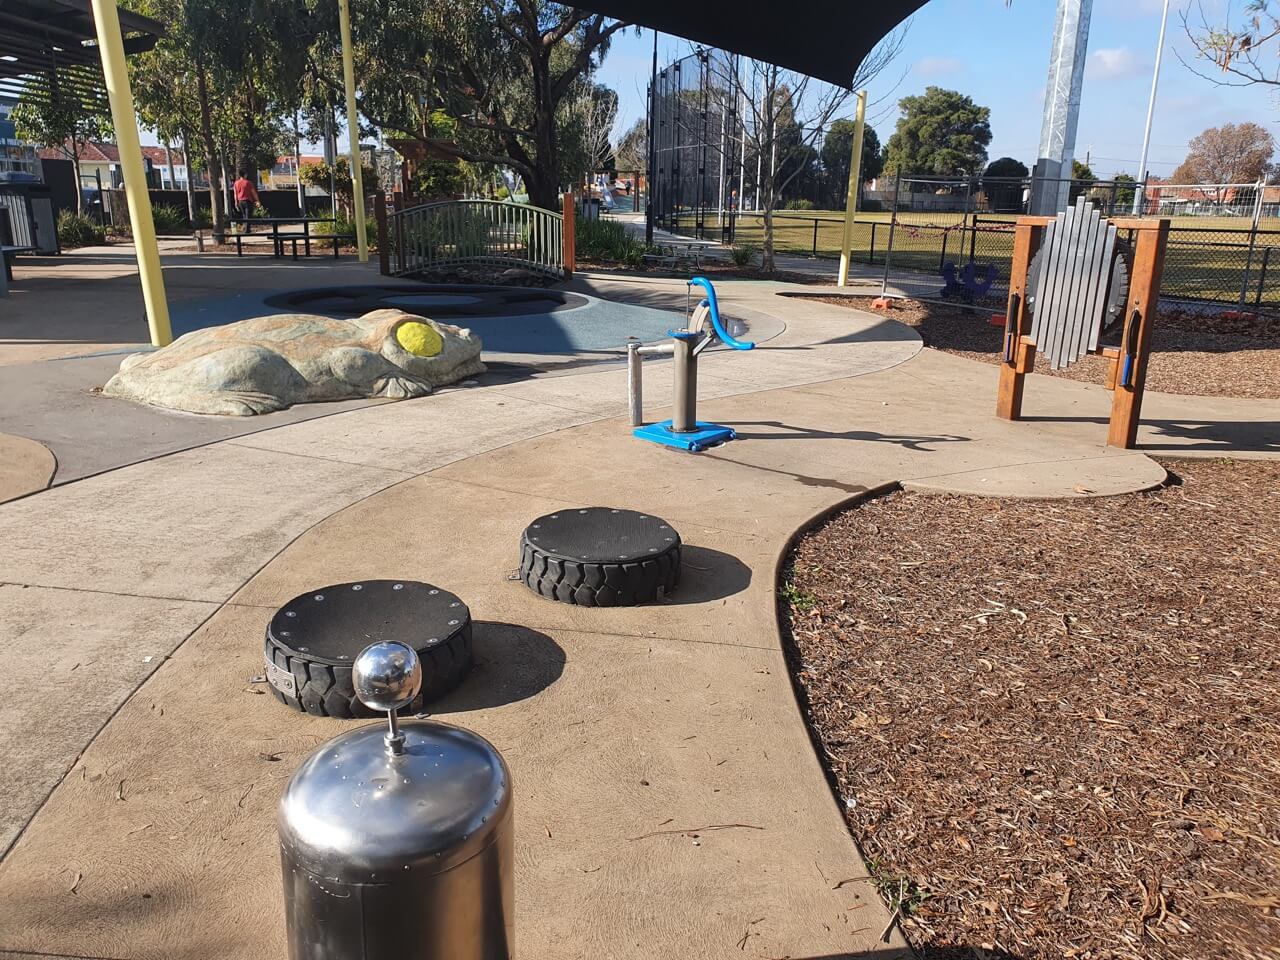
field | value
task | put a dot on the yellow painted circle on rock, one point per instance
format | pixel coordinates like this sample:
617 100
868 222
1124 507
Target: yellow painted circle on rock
420 339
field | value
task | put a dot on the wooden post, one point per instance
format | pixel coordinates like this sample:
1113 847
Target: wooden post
570 254
384 247
1021 357
1144 297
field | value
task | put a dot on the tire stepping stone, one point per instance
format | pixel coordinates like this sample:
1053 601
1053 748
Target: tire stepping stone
600 557
314 638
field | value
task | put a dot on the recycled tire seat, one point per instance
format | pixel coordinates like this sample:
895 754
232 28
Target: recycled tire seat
600 557
313 639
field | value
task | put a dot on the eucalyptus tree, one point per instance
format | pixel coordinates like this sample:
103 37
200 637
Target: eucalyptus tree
505 71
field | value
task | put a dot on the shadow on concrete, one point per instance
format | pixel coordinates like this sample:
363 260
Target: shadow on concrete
707 574
512 663
1217 436
785 431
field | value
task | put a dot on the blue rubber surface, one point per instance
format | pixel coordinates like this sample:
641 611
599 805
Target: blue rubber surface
595 326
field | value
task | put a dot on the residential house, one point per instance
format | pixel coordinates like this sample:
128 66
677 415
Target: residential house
102 160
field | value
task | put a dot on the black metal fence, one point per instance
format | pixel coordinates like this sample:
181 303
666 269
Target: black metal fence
1222 258
697 141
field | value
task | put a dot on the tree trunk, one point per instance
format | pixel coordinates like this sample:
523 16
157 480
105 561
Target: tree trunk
191 196
211 160
75 166
543 191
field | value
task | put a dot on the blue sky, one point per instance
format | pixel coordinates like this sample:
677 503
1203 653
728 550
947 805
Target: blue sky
999 56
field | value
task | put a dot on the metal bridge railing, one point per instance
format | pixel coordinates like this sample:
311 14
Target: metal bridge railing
485 232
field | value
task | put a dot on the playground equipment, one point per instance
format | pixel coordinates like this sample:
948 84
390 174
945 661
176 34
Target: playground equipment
398 841
313 642
683 430
1071 288
600 557
964 285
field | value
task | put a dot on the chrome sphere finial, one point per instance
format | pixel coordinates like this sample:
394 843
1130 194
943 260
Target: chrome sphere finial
387 675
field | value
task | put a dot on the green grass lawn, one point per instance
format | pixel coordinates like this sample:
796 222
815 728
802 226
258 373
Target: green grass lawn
1200 263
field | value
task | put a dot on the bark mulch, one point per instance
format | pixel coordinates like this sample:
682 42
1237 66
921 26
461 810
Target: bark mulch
1227 355
1055 725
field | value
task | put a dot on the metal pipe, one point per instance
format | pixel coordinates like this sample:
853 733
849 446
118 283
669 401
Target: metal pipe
353 130
635 389
684 413
115 72
1140 189
893 223
851 199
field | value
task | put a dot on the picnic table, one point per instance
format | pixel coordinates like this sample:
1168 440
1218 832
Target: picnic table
7 253
280 237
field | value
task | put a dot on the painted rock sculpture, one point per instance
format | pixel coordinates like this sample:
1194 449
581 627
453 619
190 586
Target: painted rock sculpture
269 363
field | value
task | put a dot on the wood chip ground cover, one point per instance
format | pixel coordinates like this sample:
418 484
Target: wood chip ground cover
1191 353
1055 726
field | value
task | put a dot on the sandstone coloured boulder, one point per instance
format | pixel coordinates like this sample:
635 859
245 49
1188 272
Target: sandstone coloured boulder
269 363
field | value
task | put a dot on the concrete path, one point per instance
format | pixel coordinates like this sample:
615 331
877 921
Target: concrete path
617 723
25 467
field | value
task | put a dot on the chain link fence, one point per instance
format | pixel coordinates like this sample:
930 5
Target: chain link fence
1224 241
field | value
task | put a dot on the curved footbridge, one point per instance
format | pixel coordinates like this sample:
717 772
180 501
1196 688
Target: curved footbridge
668 800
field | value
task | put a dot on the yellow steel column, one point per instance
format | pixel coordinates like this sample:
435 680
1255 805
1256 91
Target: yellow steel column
353 129
116 73
855 180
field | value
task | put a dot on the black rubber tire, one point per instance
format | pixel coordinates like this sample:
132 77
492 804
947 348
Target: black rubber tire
588 584
325 689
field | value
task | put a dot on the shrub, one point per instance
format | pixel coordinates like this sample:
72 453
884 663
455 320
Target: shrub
743 254
607 241
77 230
168 218
348 227
799 205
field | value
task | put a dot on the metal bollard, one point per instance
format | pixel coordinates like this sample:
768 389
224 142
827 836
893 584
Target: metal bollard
635 383
397 843
684 413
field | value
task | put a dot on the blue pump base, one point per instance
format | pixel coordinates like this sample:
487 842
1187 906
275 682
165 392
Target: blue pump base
707 435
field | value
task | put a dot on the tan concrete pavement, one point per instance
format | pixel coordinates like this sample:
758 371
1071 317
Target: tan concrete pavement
691 696
25 467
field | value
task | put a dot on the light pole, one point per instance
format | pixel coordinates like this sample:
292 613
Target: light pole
1139 198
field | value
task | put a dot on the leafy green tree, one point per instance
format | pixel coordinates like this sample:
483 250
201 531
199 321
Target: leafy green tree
940 133
837 150
61 123
1082 179
1002 184
1007 167
1126 187
228 81
504 70
318 174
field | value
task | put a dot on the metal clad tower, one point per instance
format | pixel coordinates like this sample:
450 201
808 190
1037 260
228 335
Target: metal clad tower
1051 187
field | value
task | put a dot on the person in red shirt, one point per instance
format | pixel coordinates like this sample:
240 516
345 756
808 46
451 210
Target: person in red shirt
246 198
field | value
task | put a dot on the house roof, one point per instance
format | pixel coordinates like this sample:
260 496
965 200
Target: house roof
98 152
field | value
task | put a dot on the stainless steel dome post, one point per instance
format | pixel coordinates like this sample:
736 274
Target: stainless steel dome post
397 843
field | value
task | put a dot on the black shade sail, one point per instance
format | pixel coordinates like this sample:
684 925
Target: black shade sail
47 42
826 39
